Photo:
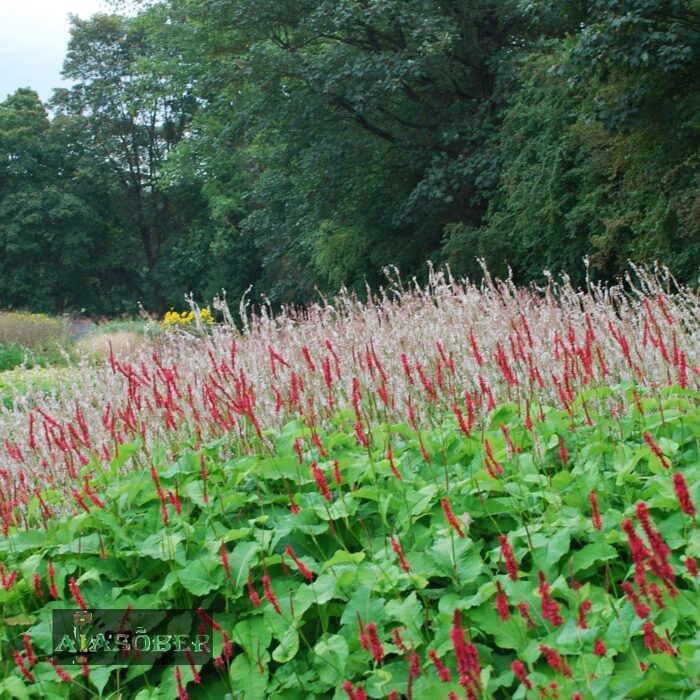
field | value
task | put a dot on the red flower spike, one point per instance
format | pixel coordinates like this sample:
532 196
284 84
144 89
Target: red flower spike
657 595
270 595
599 648
563 453
227 648
208 620
336 472
451 519
23 669
303 570
224 560
364 639
681 489
396 638
640 554
75 592
557 662
467 657
374 643
593 498
252 594
640 609
63 675
360 433
583 609
36 584
181 692
520 672
692 565
390 457
53 591
321 482
414 666
403 562
550 608
501 602
524 610
507 554
442 670
656 450
27 642
460 420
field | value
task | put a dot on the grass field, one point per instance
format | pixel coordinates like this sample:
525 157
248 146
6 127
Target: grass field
447 492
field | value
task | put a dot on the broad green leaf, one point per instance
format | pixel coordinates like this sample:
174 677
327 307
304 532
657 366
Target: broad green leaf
247 678
331 654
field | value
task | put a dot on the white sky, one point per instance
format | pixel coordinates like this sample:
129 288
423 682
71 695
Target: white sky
33 42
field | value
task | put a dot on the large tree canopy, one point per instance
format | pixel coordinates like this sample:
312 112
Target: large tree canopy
299 146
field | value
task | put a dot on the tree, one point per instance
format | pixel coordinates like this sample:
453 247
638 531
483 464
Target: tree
134 113
46 233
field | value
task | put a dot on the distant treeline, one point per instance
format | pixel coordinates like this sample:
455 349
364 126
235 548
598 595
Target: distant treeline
300 145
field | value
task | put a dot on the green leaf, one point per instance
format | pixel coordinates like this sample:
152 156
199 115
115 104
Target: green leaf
288 646
343 557
468 561
240 561
247 678
592 553
331 654
161 545
199 579
15 688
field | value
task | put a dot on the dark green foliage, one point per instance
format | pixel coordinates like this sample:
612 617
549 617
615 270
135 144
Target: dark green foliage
304 145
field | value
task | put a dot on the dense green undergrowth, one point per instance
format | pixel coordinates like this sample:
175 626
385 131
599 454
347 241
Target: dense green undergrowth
138 550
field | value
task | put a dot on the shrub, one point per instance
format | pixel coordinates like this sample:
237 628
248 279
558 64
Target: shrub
36 331
11 356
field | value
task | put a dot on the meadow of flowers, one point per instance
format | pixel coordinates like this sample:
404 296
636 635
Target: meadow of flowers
451 491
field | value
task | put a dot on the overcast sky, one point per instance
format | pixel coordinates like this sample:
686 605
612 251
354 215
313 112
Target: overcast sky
33 40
